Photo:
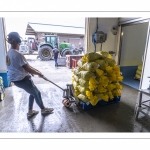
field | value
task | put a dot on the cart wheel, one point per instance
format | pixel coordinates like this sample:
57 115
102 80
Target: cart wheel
66 103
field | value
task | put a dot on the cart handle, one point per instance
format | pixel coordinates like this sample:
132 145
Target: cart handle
52 83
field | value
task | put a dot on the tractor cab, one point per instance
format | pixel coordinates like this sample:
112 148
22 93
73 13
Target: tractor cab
51 40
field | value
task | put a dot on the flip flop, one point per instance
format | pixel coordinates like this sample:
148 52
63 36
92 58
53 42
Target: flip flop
34 112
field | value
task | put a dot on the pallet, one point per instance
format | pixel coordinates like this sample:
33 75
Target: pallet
136 78
86 106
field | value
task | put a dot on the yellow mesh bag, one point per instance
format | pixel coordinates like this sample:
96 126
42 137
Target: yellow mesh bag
75 78
86 75
116 92
92 84
80 63
116 68
139 67
119 78
109 70
93 99
92 56
137 76
99 72
106 54
110 87
112 78
105 97
83 98
118 86
101 89
111 62
77 70
110 95
90 66
103 81
84 83
82 89
101 64
138 72
75 84
84 59
76 92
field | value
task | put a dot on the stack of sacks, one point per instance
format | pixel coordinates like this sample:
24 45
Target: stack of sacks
138 72
96 77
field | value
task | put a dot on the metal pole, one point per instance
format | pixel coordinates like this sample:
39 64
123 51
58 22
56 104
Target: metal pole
101 47
52 82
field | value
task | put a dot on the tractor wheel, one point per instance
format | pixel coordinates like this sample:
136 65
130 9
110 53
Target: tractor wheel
77 51
45 53
67 52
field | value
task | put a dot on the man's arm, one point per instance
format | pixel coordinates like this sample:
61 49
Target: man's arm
32 70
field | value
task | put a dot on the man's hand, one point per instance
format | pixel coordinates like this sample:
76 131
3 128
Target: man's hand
40 75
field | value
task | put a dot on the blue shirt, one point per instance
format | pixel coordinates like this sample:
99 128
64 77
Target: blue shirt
55 52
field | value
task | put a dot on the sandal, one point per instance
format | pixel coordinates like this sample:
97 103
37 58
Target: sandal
47 111
34 112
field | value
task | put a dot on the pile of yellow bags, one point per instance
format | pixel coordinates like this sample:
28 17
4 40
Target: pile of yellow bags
96 77
138 72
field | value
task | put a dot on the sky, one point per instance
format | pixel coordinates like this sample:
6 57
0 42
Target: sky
19 24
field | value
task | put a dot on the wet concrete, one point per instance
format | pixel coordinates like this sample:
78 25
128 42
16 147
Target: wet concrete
117 117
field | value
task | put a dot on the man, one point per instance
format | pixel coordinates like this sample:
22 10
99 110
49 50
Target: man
19 73
56 55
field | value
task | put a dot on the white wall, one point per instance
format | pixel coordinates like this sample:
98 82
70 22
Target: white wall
133 44
105 25
3 67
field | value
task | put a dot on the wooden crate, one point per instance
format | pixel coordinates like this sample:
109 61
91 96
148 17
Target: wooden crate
74 63
69 59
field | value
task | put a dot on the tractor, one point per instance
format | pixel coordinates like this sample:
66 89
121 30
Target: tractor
32 45
45 49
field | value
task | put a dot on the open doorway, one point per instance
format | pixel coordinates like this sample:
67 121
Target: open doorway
133 42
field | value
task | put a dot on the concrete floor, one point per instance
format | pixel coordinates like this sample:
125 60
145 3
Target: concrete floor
117 117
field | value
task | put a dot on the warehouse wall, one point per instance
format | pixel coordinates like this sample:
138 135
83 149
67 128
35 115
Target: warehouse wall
74 41
105 25
133 44
3 49
3 67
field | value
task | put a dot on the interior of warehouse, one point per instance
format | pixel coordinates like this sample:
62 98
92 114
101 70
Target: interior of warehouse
128 44
133 44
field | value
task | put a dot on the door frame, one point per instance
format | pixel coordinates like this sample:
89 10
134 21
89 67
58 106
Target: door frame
129 23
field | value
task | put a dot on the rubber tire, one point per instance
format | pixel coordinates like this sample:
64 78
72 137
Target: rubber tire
64 53
40 53
77 51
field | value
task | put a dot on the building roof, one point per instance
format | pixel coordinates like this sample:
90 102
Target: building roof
33 28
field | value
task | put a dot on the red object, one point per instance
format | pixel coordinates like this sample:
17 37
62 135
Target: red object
66 102
74 63
69 59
